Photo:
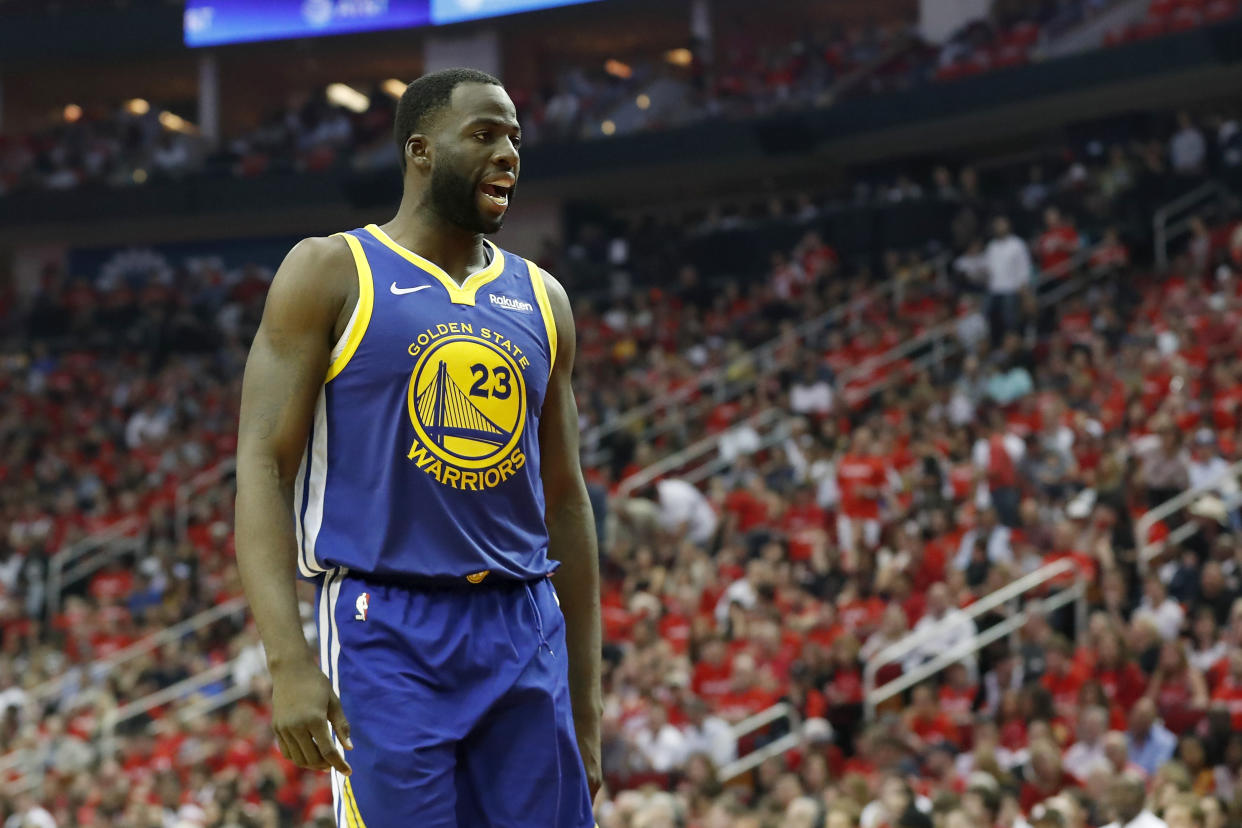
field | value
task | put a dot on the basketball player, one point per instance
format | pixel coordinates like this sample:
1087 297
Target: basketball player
409 441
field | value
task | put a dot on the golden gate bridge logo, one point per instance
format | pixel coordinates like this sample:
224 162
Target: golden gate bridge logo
446 411
467 403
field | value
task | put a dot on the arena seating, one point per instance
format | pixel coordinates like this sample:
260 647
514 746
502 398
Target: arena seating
134 693
756 73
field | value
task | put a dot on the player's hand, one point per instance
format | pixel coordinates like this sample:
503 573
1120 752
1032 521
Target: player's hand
302 706
589 747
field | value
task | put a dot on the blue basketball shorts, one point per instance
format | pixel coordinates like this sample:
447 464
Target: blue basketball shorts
458 705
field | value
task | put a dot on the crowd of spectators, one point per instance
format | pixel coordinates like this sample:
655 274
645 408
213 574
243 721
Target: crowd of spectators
678 376
900 496
746 73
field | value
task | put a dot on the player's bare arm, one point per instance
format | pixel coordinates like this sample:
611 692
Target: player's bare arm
313 289
571 537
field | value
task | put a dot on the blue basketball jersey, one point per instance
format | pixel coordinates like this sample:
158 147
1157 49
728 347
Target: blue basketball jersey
423 458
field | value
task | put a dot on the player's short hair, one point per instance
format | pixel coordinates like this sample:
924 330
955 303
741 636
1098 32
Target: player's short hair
428 95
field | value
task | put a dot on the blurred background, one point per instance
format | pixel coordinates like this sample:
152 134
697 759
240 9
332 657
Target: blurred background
908 376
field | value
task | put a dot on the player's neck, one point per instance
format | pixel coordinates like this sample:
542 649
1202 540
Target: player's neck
458 252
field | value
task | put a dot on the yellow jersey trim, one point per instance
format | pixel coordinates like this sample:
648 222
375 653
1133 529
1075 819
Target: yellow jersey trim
545 307
362 311
462 294
353 819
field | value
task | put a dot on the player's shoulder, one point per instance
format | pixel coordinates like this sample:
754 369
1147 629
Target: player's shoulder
321 263
316 279
557 294
315 253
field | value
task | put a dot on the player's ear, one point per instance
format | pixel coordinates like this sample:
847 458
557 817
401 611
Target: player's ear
418 152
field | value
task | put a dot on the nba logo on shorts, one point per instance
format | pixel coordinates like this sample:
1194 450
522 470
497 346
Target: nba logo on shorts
364 601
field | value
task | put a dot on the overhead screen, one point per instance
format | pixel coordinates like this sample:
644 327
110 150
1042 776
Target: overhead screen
217 22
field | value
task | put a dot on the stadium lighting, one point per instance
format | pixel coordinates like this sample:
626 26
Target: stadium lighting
679 57
618 69
643 101
608 127
348 98
393 88
137 106
73 113
176 123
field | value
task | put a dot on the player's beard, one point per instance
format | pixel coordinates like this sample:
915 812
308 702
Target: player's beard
455 199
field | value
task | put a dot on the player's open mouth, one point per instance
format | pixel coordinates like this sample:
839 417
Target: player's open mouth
497 193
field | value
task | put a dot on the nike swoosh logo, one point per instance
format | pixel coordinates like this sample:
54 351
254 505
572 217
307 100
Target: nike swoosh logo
396 291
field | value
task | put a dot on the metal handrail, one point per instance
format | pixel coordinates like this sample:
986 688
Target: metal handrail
779 433
210 705
911 642
690 452
715 379
1162 231
752 760
947 330
80 555
143 645
1142 527
181 689
875 696
202 480
942 338
23 760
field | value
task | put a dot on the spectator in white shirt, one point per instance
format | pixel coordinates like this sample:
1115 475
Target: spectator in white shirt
1187 148
662 745
1084 754
1009 275
148 424
951 626
685 511
1164 612
708 734
1207 469
971 327
30 814
810 394
972 264
995 536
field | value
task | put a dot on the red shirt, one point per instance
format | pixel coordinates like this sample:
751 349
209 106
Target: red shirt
861 613
802 525
1110 254
962 478
957 703
751 511
744 703
675 629
934 728
854 472
1230 694
936 554
710 681
1055 247
1064 687
845 687
1013 734
1225 408
112 585
1086 566
818 259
